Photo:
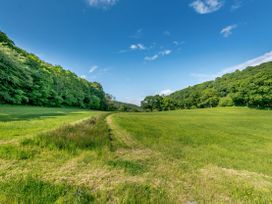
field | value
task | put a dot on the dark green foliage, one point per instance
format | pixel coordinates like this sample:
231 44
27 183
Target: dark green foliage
32 190
4 39
152 103
25 79
251 87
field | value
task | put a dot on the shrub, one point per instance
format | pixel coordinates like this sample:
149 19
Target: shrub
226 101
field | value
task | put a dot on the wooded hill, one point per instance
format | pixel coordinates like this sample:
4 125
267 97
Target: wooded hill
250 87
26 79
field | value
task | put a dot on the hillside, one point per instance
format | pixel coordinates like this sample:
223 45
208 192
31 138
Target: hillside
251 87
26 79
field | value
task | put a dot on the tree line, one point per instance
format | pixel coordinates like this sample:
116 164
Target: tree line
25 79
251 87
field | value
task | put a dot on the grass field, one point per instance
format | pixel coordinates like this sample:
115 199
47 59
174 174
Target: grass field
23 121
208 155
221 155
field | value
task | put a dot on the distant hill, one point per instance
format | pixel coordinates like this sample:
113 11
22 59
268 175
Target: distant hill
126 107
250 87
26 79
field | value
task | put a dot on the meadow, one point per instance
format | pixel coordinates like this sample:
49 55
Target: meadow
57 155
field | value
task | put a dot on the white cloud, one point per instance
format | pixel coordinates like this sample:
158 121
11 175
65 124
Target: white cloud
83 76
152 58
165 92
137 47
206 6
176 43
160 54
93 68
165 52
227 31
236 5
267 57
104 4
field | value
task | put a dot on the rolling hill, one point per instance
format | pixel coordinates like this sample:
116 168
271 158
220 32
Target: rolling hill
250 87
27 80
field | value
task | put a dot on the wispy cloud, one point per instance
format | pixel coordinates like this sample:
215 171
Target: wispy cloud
99 72
267 57
165 92
236 4
104 4
165 52
206 6
176 43
167 33
227 31
93 68
138 46
160 54
152 58
138 34
83 77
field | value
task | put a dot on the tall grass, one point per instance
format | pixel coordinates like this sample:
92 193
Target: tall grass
33 190
92 133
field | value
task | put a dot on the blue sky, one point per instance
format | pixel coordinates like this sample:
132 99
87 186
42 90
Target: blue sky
136 48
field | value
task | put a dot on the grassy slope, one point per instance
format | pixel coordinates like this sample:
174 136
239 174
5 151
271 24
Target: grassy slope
221 154
212 155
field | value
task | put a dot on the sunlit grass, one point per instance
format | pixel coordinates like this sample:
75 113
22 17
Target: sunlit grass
238 139
220 155
21 121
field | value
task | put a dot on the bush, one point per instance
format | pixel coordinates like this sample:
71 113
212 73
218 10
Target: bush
226 101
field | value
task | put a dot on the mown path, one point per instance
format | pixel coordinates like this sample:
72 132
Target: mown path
160 172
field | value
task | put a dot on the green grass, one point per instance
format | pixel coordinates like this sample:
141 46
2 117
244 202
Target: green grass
22 121
211 143
220 155
89 134
32 190
229 137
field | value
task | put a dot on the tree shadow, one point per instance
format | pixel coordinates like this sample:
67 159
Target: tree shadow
24 117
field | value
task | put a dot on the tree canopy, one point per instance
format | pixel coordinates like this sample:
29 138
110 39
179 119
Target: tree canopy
26 79
251 87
